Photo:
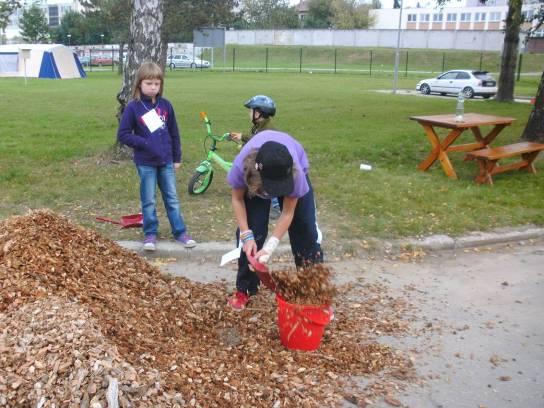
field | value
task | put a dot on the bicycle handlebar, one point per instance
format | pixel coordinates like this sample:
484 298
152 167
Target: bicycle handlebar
225 136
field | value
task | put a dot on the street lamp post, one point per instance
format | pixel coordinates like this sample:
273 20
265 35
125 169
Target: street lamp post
69 39
397 52
102 38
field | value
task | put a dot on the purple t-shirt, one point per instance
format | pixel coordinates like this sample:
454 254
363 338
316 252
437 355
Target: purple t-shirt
300 162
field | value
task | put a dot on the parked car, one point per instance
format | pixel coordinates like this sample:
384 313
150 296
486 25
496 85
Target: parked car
186 61
471 83
100 60
84 60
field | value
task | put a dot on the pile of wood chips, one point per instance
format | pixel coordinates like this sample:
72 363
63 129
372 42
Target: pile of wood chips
309 285
87 323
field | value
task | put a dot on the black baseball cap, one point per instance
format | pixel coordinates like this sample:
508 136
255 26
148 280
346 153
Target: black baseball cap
275 164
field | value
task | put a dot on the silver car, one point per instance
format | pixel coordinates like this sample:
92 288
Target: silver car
186 61
471 83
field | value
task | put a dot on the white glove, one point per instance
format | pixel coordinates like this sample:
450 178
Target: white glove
269 247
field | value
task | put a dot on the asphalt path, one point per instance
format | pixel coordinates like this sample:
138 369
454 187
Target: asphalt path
484 310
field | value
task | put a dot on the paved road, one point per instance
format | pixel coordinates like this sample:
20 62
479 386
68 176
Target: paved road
487 305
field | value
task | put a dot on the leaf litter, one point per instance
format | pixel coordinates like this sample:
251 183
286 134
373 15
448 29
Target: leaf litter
84 322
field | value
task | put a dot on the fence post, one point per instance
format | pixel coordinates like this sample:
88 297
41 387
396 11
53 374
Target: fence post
112 61
90 59
233 58
335 60
481 59
300 62
519 65
370 63
406 69
443 61
266 63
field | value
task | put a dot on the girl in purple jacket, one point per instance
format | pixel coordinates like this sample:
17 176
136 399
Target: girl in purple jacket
149 126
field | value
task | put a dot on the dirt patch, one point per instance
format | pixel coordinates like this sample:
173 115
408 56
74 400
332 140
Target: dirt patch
166 342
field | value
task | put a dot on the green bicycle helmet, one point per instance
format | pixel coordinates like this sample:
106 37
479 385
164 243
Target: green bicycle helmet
262 103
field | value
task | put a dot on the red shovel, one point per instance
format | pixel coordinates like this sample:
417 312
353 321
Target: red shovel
127 221
263 273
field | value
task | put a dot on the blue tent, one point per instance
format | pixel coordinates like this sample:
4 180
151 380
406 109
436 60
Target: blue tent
54 61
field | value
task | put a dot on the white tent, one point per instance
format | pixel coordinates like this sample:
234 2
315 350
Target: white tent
53 61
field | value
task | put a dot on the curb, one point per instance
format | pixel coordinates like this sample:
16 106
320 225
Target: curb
214 250
445 242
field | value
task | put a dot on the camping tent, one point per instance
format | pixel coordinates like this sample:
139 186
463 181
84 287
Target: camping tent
54 61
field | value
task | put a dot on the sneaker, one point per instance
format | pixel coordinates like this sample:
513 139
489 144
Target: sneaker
275 212
186 240
238 301
150 242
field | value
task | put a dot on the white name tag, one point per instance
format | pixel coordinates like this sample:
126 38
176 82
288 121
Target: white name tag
152 120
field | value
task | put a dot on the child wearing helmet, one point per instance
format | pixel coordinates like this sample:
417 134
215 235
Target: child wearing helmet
272 164
261 110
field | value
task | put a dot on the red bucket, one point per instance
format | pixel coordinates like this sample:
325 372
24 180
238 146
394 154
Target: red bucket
301 327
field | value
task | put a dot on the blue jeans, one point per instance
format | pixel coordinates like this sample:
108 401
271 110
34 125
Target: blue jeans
165 178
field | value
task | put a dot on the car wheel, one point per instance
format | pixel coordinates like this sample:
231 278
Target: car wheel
468 92
172 65
193 65
425 89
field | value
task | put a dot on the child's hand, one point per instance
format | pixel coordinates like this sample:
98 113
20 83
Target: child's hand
177 165
250 247
236 136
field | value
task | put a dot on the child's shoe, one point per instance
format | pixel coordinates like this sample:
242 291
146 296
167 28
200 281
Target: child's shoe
186 240
238 301
150 242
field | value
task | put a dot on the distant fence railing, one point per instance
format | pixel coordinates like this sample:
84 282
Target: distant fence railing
335 60
355 60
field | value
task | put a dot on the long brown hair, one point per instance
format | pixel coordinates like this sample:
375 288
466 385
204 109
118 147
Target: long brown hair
148 70
252 176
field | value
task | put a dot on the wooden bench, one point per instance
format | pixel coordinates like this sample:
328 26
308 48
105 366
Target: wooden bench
488 158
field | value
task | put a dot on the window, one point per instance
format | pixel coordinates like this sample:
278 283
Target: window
465 17
452 17
449 75
495 16
527 15
463 75
424 18
438 17
53 16
412 18
479 17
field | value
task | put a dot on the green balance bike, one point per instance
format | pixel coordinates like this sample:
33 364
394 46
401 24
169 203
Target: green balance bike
203 175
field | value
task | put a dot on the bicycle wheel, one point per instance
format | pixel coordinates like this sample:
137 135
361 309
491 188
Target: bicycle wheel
200 181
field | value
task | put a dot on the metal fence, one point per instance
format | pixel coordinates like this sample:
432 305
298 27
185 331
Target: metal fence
372 62
333 60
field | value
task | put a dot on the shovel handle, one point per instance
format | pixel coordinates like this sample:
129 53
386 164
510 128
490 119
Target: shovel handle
104 219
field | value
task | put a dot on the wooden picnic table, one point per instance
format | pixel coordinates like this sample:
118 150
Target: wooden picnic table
441 148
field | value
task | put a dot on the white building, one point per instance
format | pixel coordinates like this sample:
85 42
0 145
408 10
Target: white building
53 11
455 15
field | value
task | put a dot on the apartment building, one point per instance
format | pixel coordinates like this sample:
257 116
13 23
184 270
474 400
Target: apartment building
455 15
53 11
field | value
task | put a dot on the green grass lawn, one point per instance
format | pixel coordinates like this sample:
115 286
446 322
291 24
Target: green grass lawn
56 135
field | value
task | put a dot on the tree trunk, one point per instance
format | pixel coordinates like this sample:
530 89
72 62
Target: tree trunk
120 59
534 130
510 52
145 43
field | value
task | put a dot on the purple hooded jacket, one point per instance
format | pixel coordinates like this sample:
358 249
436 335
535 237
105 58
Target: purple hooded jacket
159 148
